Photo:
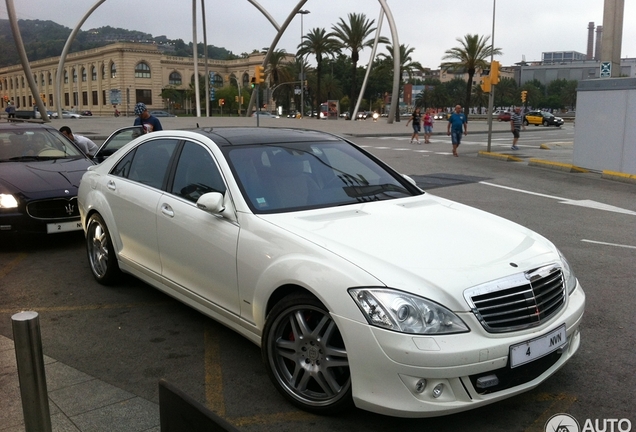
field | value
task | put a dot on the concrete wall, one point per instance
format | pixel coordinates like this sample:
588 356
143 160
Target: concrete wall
605 131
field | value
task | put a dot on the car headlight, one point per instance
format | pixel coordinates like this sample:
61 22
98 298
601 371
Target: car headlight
399 311
568 274
8 201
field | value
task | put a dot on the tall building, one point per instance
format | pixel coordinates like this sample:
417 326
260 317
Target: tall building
137 72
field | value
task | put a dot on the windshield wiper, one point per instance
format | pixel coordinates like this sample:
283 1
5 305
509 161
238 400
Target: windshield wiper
373 190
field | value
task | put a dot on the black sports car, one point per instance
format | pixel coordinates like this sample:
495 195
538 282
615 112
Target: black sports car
40 171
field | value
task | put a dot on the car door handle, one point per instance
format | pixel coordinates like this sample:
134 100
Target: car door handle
111 185
167 210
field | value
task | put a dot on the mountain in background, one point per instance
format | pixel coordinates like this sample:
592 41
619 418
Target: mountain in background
45 39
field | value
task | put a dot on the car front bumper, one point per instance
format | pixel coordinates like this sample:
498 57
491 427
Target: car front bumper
424 376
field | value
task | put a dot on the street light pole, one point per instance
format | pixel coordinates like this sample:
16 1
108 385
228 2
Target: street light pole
302 67
491 95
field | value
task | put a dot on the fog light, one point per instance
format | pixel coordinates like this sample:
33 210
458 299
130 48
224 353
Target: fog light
420 386
437 391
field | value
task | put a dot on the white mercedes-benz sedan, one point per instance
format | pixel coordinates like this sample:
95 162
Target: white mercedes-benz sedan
360 288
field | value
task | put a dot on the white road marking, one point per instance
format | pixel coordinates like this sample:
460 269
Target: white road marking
582 203
608 244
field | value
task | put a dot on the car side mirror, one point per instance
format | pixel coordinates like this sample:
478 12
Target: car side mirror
211 202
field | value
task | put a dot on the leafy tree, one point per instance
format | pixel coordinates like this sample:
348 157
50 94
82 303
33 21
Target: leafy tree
507 93
354 36
470 56
318 43
406 65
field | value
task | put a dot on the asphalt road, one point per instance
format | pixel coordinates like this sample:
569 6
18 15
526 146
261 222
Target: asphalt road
131 335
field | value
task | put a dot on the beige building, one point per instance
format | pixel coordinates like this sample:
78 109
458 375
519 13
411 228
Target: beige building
120 74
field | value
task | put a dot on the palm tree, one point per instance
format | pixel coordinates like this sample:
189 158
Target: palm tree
470 56
277 69
406 65
318 43
354 36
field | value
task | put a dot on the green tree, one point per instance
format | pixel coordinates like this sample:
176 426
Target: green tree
406 65
507 93
354 36
473 54
318 43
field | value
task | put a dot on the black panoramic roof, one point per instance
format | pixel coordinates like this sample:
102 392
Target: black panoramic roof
235 136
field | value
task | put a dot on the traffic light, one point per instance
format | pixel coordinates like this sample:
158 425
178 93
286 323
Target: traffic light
253 82
524 95
221 102
494 72
258 75
485 84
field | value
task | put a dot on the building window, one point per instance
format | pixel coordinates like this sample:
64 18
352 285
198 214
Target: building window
103 72
65 78
144 96
42 79
93 73
22 82
142 70
113 70
103 97
50 78
66 99
174 78
94 100
246 80
84 98
217 80
74 72
84 74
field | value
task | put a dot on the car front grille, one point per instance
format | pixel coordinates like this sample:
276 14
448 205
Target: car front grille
520 301
54 209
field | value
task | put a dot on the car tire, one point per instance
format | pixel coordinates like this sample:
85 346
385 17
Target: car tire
101 254
545 123
305 355
525 122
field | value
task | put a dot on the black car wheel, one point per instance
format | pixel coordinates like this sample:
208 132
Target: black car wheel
545 123
305 355
525 122
101 254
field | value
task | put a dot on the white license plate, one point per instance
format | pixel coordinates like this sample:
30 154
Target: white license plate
53 228
525 352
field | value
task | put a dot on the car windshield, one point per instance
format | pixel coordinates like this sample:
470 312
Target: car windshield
278 178
547 114
41 144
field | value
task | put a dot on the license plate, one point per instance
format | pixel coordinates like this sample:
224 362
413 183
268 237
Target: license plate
53 228
525 352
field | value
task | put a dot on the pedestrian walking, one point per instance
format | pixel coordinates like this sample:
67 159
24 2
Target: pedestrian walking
457 124
428 126
515 127
416 118
10 109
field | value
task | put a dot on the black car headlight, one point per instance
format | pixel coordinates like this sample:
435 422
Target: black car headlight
406 313
8 201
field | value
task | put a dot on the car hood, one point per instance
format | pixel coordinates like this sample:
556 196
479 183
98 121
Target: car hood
39 176
427 245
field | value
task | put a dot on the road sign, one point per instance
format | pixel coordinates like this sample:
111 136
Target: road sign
606 69
115 96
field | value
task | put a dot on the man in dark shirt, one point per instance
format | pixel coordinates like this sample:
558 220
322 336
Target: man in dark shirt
150 123
515 127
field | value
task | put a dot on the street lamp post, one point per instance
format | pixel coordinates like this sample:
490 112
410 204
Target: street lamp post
491 96
302 67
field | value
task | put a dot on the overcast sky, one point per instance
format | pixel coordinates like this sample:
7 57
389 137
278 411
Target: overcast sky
523 29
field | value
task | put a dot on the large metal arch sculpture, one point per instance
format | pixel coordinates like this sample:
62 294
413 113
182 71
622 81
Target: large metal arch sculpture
280 31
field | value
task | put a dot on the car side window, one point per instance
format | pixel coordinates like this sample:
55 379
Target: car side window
149 162
196 173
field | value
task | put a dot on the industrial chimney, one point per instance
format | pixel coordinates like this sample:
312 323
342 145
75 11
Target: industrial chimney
590 40
599 46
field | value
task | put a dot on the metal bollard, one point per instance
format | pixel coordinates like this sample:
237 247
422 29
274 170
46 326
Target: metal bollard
28 354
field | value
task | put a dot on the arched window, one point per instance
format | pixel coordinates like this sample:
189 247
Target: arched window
93 73
83 74
65 77
74 72
113 70
103 72
50 80
42 79
217 80
142 70
246 79
22 82
174 78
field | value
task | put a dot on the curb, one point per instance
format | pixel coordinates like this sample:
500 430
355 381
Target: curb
499 156
619 176
557 166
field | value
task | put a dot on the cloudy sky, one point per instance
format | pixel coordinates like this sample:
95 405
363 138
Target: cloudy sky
523 29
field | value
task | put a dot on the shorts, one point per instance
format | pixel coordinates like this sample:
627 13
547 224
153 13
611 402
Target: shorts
515 133
416 128
456 136
428 129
